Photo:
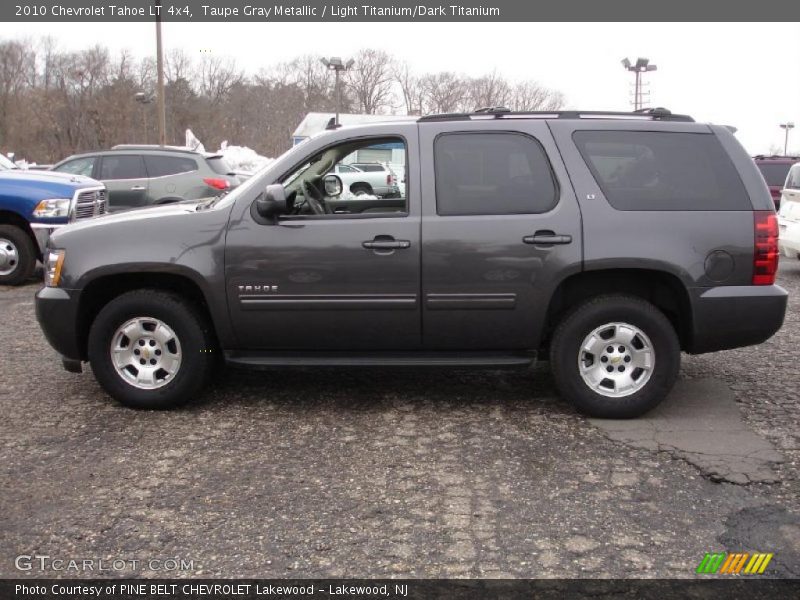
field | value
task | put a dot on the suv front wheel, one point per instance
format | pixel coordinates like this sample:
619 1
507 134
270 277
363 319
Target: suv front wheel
615 356
151 349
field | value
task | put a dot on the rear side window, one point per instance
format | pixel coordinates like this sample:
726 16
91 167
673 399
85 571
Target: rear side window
492 174
371 168
122 167
660 170
161 166
219 166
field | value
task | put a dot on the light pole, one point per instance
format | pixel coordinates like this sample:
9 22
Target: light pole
335 64
642 65
162 111
144 100
787 127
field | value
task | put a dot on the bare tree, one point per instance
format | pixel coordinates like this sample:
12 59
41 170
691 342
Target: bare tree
371 82
411 88
530 95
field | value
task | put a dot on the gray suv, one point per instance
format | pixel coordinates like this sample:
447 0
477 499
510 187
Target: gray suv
606 242
137 176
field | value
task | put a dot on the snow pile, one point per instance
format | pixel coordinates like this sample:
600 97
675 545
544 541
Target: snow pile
243 159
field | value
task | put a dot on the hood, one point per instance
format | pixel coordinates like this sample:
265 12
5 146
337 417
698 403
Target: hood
47 176
139 214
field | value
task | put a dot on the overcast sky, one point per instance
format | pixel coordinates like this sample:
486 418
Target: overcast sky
746 75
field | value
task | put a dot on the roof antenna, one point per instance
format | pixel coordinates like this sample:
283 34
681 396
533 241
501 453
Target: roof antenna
332 124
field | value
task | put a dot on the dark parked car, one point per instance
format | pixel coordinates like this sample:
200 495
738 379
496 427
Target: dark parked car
606 242
139 176
775 169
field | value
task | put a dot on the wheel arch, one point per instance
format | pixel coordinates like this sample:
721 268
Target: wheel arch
9 217
661 288
101 290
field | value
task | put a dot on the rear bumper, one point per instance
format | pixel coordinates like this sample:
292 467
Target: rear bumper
728 317
57 313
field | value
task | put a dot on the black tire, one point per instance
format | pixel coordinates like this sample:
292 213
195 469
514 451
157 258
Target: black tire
583 320
359 188
194 335
24 250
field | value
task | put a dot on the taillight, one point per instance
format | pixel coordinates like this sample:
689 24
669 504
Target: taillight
217 184
389 179
765 247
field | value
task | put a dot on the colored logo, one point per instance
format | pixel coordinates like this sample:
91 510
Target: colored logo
734 563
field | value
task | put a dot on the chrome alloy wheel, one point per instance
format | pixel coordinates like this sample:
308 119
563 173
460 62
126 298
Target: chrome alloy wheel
616 360
9 256
146 353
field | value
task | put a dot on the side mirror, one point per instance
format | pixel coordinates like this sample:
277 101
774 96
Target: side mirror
333 185
272 202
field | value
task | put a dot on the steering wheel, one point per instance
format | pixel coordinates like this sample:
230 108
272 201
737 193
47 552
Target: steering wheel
314 198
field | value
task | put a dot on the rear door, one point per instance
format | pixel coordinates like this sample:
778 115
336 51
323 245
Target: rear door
501 227
126 180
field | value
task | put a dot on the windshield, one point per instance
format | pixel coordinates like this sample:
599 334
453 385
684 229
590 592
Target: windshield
6 164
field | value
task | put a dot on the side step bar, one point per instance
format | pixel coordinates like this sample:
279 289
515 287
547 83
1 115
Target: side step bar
378 359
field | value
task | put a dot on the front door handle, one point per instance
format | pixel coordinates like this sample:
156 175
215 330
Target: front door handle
547 238
137 188
386 243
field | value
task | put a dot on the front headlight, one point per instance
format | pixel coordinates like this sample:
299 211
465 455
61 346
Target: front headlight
53 208
52 267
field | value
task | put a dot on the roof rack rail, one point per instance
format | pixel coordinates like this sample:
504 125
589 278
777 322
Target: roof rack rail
501 112
157 147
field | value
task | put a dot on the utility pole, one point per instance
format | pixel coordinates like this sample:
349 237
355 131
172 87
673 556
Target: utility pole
786 127
162 111
642 65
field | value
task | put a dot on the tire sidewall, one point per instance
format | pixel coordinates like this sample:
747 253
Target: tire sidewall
565 356
26 251
191 336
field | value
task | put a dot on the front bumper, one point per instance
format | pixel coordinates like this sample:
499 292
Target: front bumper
733 316
57 313
42 233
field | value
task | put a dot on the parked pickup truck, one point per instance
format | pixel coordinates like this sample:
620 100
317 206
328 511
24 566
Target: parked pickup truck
608 243
368 179
32 205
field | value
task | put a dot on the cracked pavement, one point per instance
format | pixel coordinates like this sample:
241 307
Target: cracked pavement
401 473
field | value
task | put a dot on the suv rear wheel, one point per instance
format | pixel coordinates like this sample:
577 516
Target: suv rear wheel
151 349
615 357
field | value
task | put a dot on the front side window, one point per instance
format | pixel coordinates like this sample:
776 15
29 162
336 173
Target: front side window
122 167
793 180
492 174
79 166
362 192
662 170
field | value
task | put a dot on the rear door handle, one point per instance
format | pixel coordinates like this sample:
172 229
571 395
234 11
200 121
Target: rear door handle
547 238
386 244
137 188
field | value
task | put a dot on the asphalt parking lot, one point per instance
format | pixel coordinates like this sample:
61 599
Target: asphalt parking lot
405 473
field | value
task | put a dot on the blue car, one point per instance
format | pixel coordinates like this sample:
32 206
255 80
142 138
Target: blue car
32 205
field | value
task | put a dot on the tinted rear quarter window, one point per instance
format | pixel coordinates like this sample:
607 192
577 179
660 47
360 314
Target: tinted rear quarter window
793 180
161 166
492 174
661 170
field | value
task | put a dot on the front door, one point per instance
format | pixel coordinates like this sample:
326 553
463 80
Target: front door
342 280
501 226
